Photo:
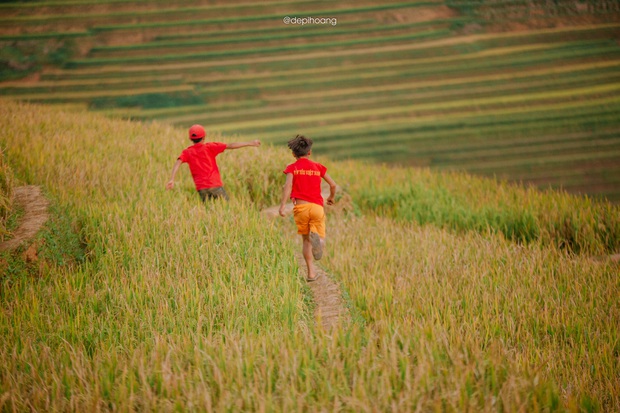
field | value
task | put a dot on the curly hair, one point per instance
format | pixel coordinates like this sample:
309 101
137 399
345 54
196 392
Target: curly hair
300 145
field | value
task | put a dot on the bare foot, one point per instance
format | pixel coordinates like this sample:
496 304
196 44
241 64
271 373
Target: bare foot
316 277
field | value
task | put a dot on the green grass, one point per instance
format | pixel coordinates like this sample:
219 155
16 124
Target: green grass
417 91
159 46
532 123
444 149
363 78
264 17
227 34
512 39
21 58
425 49
171 12
449 205
149 59
417 53
64 3
17 88
148 100
92 96
39 36
433 121
121 85
464 107
6 196
490 13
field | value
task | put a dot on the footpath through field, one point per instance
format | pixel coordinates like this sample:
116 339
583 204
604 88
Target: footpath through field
31 200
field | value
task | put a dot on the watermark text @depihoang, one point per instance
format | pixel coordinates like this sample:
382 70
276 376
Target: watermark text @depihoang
302 21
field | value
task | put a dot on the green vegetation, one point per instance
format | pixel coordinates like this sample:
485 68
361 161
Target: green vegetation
149 59
448 85
162 47
148 100
237 19
58 244
468 293
18 58
492 12
6 195
457 202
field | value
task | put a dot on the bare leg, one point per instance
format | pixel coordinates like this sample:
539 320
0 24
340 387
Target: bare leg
317 245
307 252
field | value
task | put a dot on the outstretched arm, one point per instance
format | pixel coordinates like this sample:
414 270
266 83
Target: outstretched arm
286 193
237 145
175 168
332 188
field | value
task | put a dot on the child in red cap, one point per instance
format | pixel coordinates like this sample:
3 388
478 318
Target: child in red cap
201 160
303 186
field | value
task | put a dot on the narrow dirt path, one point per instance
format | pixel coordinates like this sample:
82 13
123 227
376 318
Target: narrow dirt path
330 310
35 205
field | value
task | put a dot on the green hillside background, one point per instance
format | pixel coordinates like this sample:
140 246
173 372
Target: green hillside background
523 90
466 292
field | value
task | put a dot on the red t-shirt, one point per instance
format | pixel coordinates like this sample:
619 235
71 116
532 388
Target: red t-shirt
307 180
201 160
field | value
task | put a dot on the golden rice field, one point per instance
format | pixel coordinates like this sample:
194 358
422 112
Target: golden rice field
466 294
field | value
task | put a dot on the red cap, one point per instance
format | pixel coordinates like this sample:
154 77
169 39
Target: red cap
196 132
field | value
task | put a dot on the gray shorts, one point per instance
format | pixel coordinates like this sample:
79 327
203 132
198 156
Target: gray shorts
213 193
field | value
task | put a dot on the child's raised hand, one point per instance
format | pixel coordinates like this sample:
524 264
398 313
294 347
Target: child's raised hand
256 142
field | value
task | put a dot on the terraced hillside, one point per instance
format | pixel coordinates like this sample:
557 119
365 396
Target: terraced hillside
470 85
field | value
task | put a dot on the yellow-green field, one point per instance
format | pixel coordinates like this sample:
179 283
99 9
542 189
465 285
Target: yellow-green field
145 299
6 196
467 293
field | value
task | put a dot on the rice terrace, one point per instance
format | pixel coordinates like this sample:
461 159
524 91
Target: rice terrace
472 255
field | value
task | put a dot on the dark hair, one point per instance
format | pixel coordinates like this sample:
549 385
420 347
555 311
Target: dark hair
300 145
197 140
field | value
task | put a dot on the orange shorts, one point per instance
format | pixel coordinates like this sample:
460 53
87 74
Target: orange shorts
309 217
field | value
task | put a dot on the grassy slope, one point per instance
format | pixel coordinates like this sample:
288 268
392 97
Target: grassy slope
177 306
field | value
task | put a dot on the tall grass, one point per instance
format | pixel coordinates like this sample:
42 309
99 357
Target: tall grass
183 306
6 194
522 214
476 322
